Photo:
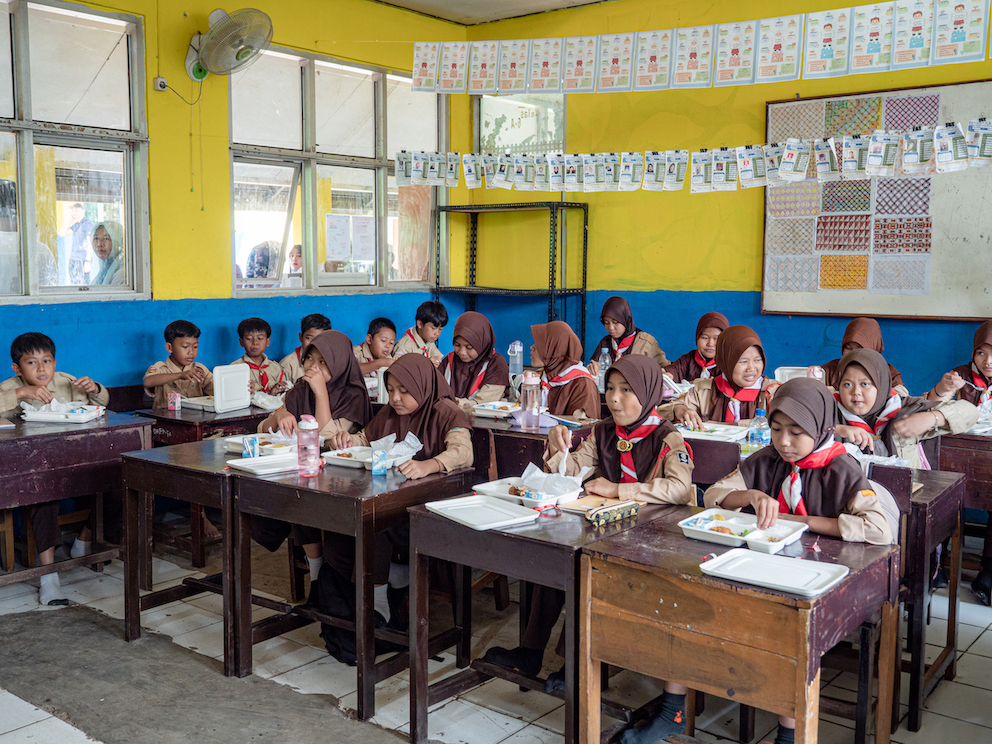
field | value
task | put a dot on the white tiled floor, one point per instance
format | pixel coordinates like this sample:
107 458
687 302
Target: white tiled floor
496 712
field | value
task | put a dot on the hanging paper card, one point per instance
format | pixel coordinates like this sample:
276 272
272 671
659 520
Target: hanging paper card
652 60
959 32
724 169
545 66
676 167
917 147
425 56
504 173
404 167
883 153
556 172
337 229
611 171
591 174
483 67
751 167
654 171
616 62
795 160
489 165
773 157
701 180
693 57
779 49
871 38
541 171
631 170
855 163
437 168
825 159
452 174
912 31
734 53
513 58
979 139
573 173
828 41
453 75
950 147
523 173
579 65
362 237
418 171
470 166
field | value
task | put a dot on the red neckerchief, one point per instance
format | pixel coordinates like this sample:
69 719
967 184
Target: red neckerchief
980 382
792 486
263 375
476 384
744 395
298 350
892 407
566 376
623 347
706 364
626 442
424 349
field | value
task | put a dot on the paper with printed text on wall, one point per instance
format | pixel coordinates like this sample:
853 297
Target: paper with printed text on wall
871 38
470 167
751 166
779 54
425 59
453 74
979 140
917 150
735 53
653 59
616 62
579 64
912 32
724 169
773 157
545 66
855 162
950 148
631 170
676 168
826 52
701 172
825 160
795 160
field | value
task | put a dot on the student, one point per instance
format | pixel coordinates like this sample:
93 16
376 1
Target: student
180 372
571 389
738 390
623 337
254 335
332 391
476 372
861 333
657 468
33 361
310 327
376 351
700 363
431 319
805 476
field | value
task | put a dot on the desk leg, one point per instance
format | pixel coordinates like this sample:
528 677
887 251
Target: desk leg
463 614
227 580
145 526
241 592
364 629
197 536
888 652
954 597
133 506
807 687
571 661
589 677
419 636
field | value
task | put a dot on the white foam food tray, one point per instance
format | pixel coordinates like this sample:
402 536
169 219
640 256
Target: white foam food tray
717 432
784 374
501 490
88 413
234 444
340 457
483 512
495 409
266 464
744 528
778 572
202 403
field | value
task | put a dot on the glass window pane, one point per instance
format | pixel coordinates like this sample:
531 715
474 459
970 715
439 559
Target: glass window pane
6 66
345 113
79 69
409 233
346 225
262 200
10 253
532 123
411 118
79 205
267 103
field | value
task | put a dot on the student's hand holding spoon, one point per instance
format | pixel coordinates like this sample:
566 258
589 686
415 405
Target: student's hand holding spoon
559 440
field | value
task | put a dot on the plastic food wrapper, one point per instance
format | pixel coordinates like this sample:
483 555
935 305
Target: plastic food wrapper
409 446
59 405
553 484
266 401
866 461
544 420
277 437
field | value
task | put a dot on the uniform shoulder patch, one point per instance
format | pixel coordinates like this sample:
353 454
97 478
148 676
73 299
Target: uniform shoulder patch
684 458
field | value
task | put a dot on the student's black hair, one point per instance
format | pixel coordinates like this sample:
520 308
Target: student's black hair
253 325
434 312
378 324
315 320
180 329
28 342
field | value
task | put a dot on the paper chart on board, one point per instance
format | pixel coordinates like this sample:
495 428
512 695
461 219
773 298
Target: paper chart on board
514 55
693 57
363 237
453 74
545 66
734 53
827 47
338 237
579 67
912 34
425 57
960 30
871 38
616 63
779 51
653 59
483 67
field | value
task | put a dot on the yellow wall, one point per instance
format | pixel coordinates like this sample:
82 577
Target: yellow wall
642 240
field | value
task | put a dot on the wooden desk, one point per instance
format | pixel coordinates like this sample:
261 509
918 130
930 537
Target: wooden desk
48 462
515 448
345 501
971 455
646 606
545 553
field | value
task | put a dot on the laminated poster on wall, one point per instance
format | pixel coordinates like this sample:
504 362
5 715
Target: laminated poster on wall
418 168
437 168
653 59
773 158
404 167
504 173
979 140
871 38
363 237
514 55
960 28
827 46
693 57
523 172
489 164
338 237
470 167
676 168
616 62
751 166
883 153
556 172
483 67
573 173
545 66
795 160
579 65
452 174
950 148
654 171
593 172
425 57
779 49
611 171
912 32
541 170
453 70
631 170
825 160
701 172
855 158
734 53
917 148
724 169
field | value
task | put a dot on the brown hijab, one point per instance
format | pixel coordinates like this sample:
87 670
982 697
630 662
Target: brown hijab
866 333
644 375
436 414
968 371
477 330
730 346
559 349
712 320
619 309
346 392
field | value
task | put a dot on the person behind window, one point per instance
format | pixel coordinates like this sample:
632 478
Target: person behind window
108 245
296 259
262 260
81 230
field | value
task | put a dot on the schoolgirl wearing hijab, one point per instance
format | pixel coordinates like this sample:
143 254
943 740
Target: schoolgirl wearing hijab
861 333
623 337
736 392
700 363
475 371
571 389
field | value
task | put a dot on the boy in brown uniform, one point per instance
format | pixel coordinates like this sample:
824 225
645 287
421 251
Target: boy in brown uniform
310 327
267 376
376 352
33 362
422 338
180 372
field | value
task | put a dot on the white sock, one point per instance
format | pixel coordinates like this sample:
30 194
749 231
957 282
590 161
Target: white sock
399 575
50 592
79 548
315 564
381 603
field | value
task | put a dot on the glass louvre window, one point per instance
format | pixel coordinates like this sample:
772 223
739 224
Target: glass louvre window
264 198
345 110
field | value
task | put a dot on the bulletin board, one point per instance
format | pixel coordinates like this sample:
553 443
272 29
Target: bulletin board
908 246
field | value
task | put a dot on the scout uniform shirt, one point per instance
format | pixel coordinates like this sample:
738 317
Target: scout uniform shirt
411 342
60 386
292 365
265 375
186 388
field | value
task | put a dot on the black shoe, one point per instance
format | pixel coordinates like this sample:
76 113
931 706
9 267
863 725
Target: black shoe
941 579
555 681
526 660
982 587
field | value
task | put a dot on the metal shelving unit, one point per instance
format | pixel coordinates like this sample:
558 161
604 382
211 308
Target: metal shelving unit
554 292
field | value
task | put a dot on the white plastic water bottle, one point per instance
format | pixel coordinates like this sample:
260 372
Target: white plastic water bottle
759 434
515 357
308 446
604 367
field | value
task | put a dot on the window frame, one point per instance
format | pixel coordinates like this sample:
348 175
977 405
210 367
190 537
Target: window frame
132 143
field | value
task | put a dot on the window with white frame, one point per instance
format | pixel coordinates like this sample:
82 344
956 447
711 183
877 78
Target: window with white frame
314 200
72 134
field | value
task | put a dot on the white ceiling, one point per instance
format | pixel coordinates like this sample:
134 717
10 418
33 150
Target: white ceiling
469 12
